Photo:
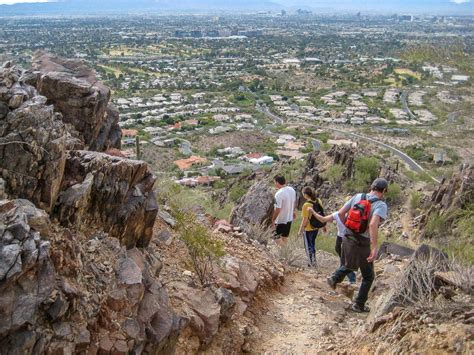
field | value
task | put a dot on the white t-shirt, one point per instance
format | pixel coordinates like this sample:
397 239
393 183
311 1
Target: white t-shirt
341 228
285 200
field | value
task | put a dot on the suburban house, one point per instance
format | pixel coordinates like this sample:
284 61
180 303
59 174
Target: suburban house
186 164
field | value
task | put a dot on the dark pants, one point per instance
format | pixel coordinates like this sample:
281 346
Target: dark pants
368 276
351 276
310 245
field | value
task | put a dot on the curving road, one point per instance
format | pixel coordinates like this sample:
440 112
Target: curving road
404 157
263 109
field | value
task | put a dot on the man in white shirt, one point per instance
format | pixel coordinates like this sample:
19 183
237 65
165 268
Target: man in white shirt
284 212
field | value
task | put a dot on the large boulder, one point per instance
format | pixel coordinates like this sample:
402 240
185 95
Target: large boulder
255 207
109 192
74 91
33 141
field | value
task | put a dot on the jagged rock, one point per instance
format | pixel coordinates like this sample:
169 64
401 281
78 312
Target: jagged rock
110 135
132 328
239 277
225 298
203 311
343 155
394 249
3 194
165 237
58 307
255 207
157 320
37 219
33 143
128 272
165 216
451 196
457 192
99 189
27 279
74 91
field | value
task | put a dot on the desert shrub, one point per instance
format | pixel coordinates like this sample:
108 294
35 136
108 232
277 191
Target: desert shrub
334 173
203 248
437 225
418 284
460 244
415 200
366 170
236 192
394 192
291 252
292 171
260 232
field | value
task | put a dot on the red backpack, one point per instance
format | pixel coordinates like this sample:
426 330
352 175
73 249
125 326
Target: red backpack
358 217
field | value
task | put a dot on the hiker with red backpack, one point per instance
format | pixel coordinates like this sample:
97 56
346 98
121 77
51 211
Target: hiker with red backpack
363 215
310 225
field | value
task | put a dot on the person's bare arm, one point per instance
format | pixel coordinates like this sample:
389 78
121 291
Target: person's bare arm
322 219
276 212
303 225
342 212
374 236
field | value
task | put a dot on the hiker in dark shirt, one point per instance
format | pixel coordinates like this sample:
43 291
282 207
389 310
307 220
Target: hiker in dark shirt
359 249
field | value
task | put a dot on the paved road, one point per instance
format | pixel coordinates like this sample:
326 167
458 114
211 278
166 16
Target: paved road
404 157
404 101
264 110
409 161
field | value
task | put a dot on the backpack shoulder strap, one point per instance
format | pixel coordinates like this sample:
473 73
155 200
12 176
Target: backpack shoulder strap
363 197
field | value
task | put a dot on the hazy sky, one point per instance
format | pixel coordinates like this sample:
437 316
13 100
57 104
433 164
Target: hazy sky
15 1
281 1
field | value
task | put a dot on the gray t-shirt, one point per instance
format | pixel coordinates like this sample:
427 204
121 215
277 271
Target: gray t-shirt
379 208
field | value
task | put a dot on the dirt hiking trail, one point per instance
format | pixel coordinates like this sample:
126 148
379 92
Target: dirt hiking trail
306 316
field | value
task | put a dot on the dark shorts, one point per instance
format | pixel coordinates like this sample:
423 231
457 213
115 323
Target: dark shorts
282 230
355 254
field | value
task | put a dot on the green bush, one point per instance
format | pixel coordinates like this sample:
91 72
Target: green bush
394 192
236 192
366 171
334 173
204 250
437 226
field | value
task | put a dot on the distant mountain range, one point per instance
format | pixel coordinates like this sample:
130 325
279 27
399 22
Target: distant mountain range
77 7
428 6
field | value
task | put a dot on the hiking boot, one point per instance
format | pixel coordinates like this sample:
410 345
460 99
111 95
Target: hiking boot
360 309
331 283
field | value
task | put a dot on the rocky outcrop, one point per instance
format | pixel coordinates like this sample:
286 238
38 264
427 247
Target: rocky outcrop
449 201
27 276
33 141
255 207
74 91
111 193
73 294
39 161
345 156
457 192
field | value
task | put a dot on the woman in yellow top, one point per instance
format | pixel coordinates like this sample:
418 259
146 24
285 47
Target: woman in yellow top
307 231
